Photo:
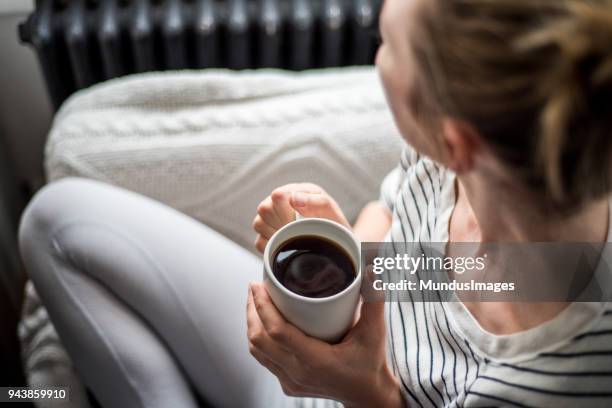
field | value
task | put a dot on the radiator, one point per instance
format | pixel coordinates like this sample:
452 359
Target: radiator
81 42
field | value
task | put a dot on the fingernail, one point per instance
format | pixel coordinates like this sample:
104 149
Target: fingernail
299 199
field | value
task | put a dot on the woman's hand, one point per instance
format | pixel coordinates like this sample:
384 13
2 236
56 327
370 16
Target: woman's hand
354 372
280 207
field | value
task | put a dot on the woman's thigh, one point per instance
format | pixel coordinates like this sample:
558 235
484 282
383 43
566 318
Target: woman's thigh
185 282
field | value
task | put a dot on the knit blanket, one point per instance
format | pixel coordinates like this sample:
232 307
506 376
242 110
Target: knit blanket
213 144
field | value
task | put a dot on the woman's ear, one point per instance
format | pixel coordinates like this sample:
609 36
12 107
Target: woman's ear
461 142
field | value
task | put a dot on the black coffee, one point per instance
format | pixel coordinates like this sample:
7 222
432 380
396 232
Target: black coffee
313 266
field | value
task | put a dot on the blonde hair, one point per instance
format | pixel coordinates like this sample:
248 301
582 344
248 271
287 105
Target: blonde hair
534 77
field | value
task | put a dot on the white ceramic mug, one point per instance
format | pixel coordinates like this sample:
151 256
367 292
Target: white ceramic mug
327 318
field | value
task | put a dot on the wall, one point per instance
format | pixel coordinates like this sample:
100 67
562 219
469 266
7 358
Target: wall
11 276
25 116
25 110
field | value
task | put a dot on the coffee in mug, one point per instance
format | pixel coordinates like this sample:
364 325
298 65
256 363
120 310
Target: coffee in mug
313 266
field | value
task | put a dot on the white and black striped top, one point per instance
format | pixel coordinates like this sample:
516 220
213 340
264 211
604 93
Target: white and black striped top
445 359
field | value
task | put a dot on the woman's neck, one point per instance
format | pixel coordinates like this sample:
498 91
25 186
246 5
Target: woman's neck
492 214
486 214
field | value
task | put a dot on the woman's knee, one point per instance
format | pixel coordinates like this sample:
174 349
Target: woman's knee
53 205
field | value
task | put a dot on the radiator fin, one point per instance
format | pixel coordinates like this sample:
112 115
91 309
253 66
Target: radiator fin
82 42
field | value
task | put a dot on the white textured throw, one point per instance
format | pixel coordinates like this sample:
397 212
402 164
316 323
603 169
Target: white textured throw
213 144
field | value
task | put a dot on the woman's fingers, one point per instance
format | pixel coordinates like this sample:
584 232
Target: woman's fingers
269 215
276 210
262 228
317 205
279 362
280 199
283 333
260 339
260 243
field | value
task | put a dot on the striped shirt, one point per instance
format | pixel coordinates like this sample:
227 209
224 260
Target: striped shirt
444 358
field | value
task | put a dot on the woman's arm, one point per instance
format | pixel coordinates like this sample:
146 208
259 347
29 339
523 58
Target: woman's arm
373 222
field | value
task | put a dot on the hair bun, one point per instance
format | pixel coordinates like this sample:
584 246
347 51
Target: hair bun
534 77
578 87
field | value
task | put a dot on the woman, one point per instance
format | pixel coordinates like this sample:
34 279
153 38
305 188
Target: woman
506 106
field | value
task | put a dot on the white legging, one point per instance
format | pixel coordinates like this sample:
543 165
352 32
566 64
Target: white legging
147 301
